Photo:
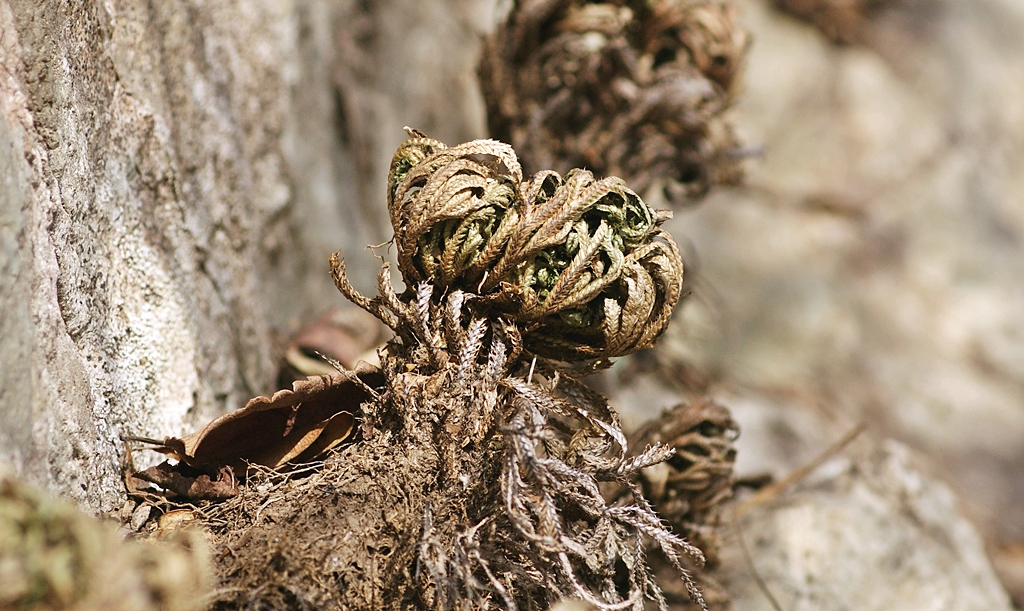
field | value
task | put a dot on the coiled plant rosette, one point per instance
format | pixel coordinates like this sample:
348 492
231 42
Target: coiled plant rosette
478 475
580 265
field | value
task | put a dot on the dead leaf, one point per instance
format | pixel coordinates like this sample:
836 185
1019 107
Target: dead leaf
174 520
346 335
292 425
194 486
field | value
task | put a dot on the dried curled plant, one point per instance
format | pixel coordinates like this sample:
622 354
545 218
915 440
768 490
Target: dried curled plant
498 267
580 265
690 488
634 88
843 21
476 481
523 448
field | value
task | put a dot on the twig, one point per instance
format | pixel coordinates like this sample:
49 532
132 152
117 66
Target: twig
256 520
750 560
772 490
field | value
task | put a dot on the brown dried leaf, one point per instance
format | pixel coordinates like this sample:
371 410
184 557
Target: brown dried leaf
174 521
292 425
346 335
640 89
195 487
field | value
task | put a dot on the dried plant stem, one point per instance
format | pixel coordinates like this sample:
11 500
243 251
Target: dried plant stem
749 559
769 492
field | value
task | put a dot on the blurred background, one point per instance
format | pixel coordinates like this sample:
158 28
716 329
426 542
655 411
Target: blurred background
176 176
867 267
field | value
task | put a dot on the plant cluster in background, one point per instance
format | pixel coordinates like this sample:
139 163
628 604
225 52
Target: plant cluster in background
637 88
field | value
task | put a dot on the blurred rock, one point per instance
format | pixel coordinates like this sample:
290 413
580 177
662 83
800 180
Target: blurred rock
871 267
868 532
1008 561
53 557
396 64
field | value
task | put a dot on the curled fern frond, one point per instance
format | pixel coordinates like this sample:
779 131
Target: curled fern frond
580 263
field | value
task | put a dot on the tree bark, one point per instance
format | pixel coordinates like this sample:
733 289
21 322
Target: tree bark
174 176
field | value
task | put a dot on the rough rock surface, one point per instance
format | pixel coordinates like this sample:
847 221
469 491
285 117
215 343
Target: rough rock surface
866 532
174 177
871 267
